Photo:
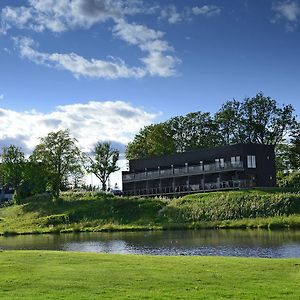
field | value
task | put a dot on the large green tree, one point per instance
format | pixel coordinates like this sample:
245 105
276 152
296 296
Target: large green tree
103 162
13 165
194 131
59 156
295 149
258 120
152 140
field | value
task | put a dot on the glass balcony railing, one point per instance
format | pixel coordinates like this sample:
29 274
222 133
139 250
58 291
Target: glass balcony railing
192 188
188 170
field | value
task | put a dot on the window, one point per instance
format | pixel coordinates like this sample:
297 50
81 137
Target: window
251 161
220 162
235 160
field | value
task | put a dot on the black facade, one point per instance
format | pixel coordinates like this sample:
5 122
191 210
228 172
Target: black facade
228 167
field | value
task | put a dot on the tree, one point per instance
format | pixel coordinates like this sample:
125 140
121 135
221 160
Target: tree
295 149
60 156
256 120
12 168
103 162
155 139
230 122
259 120
194 131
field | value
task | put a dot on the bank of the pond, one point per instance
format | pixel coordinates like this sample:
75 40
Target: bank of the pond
80 212
63 275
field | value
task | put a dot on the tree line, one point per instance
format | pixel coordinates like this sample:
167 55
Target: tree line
55 164
259 120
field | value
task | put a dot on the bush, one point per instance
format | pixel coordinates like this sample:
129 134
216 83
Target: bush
56 219
230 206
292 180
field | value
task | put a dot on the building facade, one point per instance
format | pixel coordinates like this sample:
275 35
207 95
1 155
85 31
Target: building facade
220 168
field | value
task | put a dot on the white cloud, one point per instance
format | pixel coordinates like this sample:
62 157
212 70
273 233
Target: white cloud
76 64
288 11
65 15
58 16
1 96
161 65
115 121
156 63
171 14
206 10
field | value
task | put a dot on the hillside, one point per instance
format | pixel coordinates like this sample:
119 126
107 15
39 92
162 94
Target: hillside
75 212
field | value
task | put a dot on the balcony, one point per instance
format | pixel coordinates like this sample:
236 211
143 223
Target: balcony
183 171
194 188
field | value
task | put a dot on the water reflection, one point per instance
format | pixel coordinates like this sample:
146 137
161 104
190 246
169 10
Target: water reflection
251 243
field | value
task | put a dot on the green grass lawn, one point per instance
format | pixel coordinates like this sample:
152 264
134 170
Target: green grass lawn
65 275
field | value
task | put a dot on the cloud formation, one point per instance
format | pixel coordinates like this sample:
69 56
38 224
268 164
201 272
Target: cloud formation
173 16
206 10
1 96
157 62
64 15
115 121
76 64
288 12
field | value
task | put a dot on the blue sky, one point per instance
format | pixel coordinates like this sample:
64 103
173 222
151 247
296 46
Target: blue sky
106 68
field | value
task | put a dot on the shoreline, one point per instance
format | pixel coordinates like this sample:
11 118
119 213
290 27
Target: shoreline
269 223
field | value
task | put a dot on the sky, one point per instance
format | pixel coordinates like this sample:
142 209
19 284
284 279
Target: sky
106 68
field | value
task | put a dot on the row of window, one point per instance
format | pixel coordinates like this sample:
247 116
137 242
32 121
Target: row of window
235 160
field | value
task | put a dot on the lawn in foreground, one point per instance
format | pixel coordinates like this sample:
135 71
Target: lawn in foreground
65 275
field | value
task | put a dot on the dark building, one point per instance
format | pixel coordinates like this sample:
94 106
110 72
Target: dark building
227 167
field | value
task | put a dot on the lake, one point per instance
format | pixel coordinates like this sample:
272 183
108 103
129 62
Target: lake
247 243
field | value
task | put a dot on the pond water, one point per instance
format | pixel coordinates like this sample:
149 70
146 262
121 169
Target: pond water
247 243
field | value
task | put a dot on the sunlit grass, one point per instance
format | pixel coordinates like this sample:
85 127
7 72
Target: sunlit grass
62 275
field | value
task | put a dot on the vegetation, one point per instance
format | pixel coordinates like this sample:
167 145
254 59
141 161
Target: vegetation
104 162
55 165
60 156
92 211
63 275
254 120
231 206
288 161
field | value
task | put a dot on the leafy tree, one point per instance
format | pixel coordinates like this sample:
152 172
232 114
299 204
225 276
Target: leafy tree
230 122
103 162
259 119
295 149
152 140
59 156
181 133
76 177
12 168
194 131
291 180
34 181
256 120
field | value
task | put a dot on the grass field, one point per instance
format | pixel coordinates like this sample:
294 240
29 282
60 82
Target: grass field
74 212
63 275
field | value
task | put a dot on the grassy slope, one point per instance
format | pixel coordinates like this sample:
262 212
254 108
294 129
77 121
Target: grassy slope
91 212
62 275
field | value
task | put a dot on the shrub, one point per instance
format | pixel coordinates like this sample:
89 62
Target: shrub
56 219
230 206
